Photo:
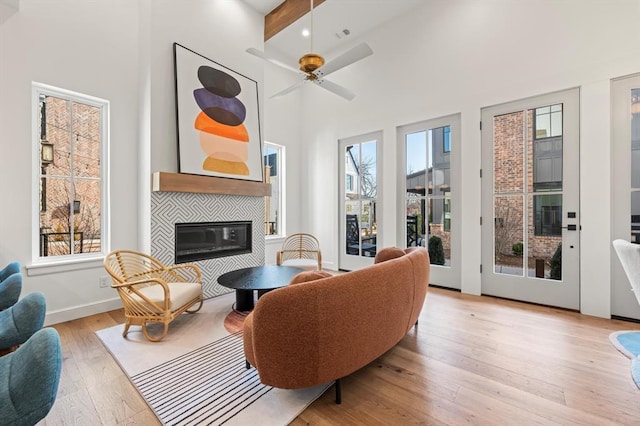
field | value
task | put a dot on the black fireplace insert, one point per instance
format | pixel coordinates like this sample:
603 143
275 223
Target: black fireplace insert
208 240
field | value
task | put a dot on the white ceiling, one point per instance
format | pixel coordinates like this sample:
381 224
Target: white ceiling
329 20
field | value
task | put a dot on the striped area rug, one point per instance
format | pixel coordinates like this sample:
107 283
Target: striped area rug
197 376
207 386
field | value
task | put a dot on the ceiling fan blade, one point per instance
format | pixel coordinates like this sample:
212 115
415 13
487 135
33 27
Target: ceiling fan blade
361 51
288 90
335 88
262 55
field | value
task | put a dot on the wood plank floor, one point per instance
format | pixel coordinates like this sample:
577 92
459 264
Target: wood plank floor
471 360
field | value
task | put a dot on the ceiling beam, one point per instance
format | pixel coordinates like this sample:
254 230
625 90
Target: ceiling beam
287 13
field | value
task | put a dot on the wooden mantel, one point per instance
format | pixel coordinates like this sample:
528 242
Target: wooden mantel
180 182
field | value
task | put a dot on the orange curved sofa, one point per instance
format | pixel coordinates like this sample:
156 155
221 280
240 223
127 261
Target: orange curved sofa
319 331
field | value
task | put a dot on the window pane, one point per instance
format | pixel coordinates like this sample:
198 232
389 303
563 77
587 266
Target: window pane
86 216
352 229
360 203
55 115
439 231
368 195
547 215
508 235
556 123
55 221
447 139
635 138
543 126
439 179
368 168
545 237
415 209
86 134
272 162
508 161
544 157
548 121
416 150
635 217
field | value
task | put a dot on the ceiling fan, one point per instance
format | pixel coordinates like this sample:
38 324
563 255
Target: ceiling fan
314 68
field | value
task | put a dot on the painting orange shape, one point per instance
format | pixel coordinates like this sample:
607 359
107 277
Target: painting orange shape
205 124
228 167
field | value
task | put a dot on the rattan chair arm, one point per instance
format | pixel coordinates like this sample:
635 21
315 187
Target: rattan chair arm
143 281
165 287
194 270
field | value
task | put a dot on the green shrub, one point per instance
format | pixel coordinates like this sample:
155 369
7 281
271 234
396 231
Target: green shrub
517 249
556 264
436 250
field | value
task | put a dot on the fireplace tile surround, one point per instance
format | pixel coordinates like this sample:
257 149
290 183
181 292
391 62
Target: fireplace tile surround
169 208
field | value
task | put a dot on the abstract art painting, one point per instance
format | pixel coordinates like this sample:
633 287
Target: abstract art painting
218 120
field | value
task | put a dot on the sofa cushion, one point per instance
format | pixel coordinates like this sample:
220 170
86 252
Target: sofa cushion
388 253
306 276
181 294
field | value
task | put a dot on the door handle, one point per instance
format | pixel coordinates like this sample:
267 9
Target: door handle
570 227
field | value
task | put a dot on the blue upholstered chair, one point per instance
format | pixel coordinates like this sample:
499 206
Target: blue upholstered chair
20 321
10 269
10 285
29 379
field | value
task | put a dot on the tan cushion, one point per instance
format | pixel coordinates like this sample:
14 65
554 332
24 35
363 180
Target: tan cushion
388 253
301 262
306 276
181 294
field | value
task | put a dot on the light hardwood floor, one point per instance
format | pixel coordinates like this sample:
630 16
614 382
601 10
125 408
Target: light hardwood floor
470 360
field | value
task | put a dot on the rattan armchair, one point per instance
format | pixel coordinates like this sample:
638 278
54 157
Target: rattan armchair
300 250
152 292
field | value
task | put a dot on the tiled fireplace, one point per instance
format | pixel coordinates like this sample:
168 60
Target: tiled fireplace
171 208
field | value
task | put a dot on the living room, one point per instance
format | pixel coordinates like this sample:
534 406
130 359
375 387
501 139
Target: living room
441 58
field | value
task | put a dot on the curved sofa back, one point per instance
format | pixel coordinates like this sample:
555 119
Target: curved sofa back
312 333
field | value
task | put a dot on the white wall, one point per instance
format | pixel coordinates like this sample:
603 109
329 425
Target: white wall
460 56
87 47
119 50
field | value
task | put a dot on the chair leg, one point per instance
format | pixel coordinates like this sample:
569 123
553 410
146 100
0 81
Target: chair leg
127 324
338 392
155 339
193 311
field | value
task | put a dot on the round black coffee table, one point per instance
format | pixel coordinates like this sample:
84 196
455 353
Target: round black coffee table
261 278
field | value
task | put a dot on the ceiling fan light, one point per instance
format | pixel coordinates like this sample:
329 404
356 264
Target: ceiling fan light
310 62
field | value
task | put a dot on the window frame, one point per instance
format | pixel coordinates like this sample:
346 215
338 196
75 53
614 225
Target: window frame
38 261
281 156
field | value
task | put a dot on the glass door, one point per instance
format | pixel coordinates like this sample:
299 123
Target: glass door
530 200
625 158
430 175
359 171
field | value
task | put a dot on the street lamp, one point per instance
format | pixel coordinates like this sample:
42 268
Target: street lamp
46 152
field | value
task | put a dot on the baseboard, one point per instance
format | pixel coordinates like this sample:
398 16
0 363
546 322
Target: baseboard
327 265
70 314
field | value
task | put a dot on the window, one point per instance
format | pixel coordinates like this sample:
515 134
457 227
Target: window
70 147
548 215
547 148
349 183
548 121
446 145
273 156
